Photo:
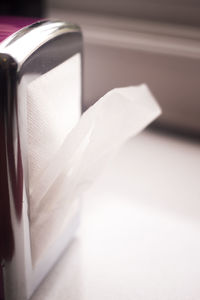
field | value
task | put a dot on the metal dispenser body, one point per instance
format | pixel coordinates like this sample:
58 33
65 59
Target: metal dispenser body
33 50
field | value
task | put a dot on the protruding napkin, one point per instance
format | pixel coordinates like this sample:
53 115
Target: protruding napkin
103 128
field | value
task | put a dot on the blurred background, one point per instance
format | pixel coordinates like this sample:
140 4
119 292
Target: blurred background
135 41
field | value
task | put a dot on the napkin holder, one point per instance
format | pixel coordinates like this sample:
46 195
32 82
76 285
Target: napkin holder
29 49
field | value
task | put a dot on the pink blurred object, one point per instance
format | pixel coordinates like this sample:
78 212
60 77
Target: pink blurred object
9 25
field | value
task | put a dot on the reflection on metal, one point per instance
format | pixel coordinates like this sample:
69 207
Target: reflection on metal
33 50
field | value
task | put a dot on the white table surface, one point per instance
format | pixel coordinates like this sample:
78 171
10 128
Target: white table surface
140 230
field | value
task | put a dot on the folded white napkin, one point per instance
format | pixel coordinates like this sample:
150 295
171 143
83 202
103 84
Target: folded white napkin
57 182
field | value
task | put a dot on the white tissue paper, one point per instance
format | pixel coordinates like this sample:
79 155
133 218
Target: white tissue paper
75 160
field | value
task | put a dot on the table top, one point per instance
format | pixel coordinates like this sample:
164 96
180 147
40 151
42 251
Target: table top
139 236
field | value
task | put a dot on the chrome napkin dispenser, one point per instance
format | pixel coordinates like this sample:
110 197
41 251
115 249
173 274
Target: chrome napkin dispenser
39 61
